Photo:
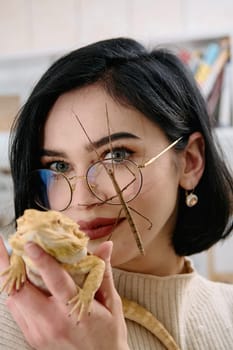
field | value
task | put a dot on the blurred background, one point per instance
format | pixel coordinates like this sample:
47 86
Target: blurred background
33 33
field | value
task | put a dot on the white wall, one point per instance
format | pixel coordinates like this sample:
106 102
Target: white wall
34 32
32 25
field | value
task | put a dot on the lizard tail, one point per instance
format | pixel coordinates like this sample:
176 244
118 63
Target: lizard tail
137 313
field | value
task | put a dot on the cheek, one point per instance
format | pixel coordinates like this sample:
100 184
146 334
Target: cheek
158 196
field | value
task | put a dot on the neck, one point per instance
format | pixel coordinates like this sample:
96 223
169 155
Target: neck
163 264
160 259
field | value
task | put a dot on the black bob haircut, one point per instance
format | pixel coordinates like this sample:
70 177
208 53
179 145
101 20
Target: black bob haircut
158 85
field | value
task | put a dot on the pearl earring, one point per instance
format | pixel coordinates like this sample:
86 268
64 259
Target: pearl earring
191 199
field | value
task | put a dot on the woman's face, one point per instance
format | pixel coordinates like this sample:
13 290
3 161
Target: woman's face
67 148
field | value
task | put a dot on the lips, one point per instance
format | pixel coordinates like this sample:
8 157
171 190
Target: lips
99 227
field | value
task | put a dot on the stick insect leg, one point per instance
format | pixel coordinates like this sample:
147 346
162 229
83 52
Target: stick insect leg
122 190
143 216
117 220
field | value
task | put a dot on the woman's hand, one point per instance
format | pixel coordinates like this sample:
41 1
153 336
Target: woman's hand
44 320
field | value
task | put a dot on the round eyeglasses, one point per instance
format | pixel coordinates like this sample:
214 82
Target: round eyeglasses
54 190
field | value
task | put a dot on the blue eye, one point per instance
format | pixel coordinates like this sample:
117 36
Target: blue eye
118 154
59 166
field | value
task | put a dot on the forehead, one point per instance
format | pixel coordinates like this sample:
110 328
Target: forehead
95 109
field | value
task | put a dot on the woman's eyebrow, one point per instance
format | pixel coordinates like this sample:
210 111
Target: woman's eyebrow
51 153
110 138
95 144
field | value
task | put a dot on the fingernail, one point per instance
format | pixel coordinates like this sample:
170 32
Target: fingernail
32 250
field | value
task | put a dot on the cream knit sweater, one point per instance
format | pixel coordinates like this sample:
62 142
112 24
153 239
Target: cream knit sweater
198 313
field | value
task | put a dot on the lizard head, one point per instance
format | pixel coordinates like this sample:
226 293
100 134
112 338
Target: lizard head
55 233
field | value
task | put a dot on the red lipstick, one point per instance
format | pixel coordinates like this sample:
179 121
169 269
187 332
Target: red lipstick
99 227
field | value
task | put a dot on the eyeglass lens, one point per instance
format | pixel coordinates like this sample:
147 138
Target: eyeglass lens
126 174
53 190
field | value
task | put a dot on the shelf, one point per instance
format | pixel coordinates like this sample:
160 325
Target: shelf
209 59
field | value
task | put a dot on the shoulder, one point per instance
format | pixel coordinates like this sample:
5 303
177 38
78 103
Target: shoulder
214 297
213 288
207 314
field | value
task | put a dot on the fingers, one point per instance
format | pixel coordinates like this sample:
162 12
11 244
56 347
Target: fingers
27 307
107 293
34 300
17 313
44 319
57 280
60 283
36 314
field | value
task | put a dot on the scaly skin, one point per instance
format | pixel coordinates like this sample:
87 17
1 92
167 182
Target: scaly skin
60 237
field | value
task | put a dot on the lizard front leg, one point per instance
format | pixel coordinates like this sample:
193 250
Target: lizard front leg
16 274
93 267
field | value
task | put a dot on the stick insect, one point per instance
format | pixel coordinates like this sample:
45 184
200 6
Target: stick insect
119 191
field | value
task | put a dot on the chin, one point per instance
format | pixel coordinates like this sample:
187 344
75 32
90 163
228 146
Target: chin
121 257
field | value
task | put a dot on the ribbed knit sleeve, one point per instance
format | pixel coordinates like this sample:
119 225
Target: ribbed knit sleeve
196 312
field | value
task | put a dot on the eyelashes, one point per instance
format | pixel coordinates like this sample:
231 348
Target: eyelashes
64 165
118 153
57 165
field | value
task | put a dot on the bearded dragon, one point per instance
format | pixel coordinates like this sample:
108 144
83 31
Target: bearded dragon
61 238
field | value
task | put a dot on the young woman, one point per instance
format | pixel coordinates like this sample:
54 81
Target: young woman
114 104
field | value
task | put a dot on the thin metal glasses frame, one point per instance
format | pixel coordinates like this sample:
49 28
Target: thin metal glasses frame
139 166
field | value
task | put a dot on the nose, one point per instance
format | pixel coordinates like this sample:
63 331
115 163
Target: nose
82 196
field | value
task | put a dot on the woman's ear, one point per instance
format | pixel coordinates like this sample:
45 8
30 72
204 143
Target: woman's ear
193 160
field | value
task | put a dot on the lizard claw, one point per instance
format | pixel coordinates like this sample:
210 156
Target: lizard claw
82 302
16 276
15 279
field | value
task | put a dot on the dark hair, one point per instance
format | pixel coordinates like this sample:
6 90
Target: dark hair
157 84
